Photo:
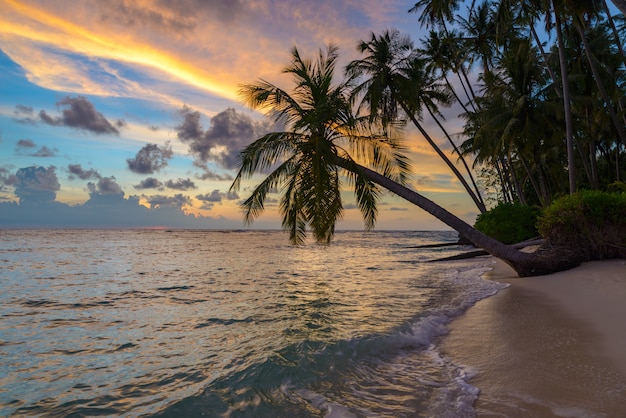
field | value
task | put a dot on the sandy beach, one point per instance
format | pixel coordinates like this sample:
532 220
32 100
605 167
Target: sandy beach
548 346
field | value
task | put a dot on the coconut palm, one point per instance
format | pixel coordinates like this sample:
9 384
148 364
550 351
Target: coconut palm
394 78
515 121
325 139
437 13
322 128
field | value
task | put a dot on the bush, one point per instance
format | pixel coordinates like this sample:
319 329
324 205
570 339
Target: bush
617 187
509 223
592 222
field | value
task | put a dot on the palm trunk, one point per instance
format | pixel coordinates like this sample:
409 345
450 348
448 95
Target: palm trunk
546 61
482 208
567 103
594 165
533 181
518 188
613 28
525 264
459 69
456 96
443 156
619 127
499 170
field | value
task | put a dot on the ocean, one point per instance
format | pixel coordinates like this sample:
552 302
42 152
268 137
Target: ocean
190 323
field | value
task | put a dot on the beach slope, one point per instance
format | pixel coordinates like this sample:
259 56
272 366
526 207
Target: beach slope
548 346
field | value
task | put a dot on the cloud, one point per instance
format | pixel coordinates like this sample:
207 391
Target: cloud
107 207
176 201
36 184
7 178
99 46
24 143
44 151
213 197
209 174
228 134
162 16
150 158
105 186
149 183
76 170
24 114
209 199
181 184
81 114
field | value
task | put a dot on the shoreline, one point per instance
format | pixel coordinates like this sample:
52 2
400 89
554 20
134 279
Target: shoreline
547 346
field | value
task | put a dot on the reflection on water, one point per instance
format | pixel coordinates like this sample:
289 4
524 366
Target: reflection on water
139 322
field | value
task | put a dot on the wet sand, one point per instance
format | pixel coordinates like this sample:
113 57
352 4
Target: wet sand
549 346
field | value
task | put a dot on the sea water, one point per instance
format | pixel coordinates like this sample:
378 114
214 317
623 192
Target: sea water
231 324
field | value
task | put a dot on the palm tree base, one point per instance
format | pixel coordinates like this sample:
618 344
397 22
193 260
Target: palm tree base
547 259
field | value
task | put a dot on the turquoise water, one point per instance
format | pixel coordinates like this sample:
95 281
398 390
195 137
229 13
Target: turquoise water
205 323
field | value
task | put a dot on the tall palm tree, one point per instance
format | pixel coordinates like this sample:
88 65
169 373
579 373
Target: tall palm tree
515 119
394 78
322 137
440 55
438 13
322 127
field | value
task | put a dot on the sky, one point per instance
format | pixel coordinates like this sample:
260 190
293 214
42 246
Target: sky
120 113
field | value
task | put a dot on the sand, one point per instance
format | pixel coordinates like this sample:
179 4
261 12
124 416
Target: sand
548 346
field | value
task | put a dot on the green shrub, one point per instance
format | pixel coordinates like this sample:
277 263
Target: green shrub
591 221
509 223
617 187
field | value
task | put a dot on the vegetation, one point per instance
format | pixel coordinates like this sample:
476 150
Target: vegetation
542 118
591 223
509 223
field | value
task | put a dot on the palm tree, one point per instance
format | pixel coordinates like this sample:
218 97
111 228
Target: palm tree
513 127
323 128
322 137
437 13
396 79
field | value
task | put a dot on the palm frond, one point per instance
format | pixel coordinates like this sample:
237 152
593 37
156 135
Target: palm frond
255 204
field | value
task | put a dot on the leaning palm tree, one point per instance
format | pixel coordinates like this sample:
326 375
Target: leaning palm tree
323 140
322 130
394 78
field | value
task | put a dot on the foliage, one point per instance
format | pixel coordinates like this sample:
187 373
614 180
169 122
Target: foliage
617 187
591 221
321 128
509 223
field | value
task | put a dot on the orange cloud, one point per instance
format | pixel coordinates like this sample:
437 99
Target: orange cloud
208 47
32 30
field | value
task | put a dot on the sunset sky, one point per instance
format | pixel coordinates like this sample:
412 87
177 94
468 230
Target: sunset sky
110 107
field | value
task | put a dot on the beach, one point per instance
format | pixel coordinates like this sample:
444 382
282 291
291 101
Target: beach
547 346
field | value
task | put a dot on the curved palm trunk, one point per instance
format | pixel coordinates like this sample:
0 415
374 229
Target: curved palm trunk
525 264
456 96
482 209
443 156
459 69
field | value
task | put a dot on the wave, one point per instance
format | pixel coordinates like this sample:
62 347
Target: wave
369 375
